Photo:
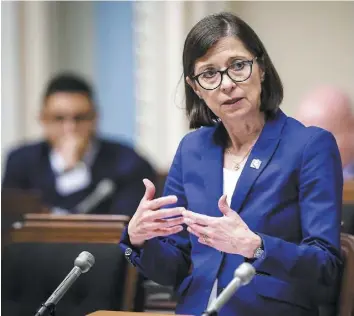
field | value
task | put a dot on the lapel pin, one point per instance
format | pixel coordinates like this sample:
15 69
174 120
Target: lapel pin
256 163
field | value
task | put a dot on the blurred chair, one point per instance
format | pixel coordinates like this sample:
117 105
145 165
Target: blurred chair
344 305
348 208
346 299
348 192
42 253
348 219
16 201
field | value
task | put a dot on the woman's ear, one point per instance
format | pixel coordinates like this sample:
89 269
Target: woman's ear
261 72
194 86
262 75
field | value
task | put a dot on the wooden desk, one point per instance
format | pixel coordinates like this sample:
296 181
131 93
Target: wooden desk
79 228
69 228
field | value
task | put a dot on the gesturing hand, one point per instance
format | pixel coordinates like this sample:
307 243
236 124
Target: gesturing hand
229 233
150 220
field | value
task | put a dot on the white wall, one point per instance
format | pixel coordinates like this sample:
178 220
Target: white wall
74 37
310 43
10 75
25 68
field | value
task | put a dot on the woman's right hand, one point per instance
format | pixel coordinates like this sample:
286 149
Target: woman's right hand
150 220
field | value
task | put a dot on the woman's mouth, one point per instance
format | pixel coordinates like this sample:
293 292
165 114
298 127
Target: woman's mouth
234 101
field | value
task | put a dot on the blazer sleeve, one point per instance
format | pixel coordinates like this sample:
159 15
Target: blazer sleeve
15 171
165 260
316 261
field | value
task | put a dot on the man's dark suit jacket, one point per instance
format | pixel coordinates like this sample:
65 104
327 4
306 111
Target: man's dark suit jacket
28 167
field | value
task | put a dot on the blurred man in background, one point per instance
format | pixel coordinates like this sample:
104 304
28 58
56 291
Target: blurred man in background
331 109
75 170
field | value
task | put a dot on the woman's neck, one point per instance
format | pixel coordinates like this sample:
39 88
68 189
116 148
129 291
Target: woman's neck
245 132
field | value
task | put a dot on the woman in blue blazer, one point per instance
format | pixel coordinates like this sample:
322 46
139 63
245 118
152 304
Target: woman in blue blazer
250 184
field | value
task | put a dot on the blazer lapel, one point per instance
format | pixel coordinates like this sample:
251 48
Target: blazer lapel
258 159
211 166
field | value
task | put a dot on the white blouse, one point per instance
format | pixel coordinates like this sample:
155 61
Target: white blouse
229 184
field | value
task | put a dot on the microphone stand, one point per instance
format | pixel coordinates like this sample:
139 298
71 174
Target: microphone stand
242 276
45 309
83 263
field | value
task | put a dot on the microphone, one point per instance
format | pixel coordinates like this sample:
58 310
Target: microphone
103 189
242 276
82 263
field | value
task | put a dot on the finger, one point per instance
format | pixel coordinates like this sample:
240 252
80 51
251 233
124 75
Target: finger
163 223
149 190
203 239
192 231
163 213
202 230
160 202
224 206
166 232
195 218
172 230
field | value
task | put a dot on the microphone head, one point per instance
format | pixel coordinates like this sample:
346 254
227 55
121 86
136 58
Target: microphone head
105 187
84 261
245 272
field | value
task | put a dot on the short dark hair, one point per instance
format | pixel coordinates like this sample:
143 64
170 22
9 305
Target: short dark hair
201 38
69 83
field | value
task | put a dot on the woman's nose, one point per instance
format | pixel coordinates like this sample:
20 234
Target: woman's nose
226 83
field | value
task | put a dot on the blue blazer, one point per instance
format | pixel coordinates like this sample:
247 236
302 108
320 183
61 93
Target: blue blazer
28 168
292 201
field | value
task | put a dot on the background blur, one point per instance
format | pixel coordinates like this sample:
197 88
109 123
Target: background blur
131 52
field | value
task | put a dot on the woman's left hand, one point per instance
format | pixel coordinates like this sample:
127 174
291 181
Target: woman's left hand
229 233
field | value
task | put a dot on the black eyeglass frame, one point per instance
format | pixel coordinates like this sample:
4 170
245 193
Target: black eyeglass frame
222 72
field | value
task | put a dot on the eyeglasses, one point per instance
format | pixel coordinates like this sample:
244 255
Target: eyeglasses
238 71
